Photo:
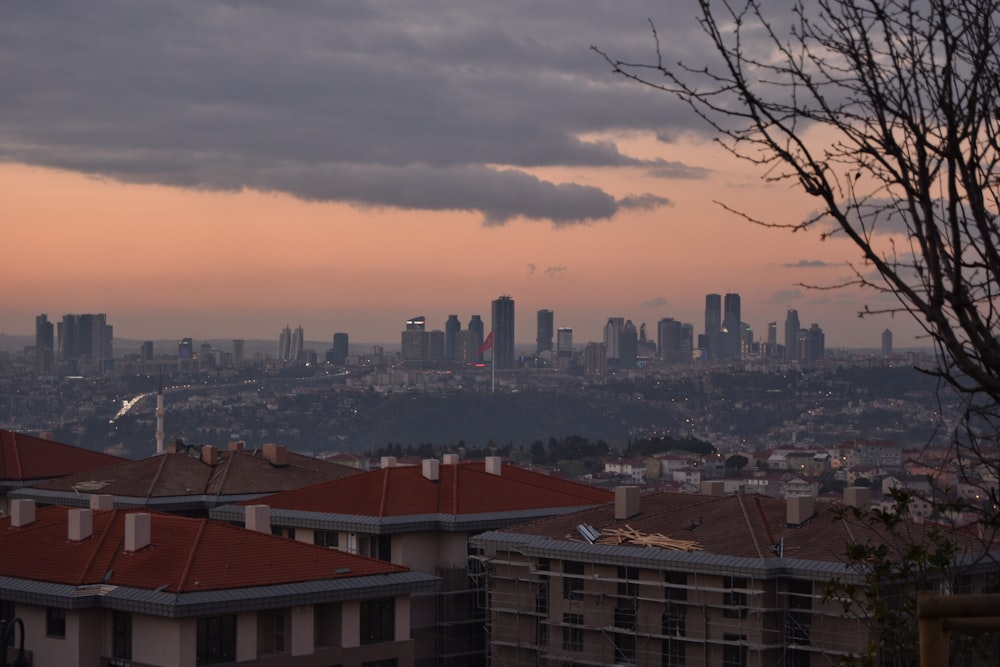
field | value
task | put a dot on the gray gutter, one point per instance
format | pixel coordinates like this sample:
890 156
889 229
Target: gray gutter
161 503
408 523
228 601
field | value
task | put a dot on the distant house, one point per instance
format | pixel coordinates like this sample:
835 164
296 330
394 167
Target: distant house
27 460
634 469
191 480
116 587
422 517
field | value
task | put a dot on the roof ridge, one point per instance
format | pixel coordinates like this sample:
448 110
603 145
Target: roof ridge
190 562
767 524
5 436
156 477
385 491
99 547
17 459
746 517
222 469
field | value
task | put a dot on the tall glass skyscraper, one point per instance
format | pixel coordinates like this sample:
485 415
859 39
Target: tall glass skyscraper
546 329
503 333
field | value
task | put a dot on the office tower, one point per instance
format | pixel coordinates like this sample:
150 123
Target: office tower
713 325
595 359
772 339
451 328
476 337
285 344
435 345
86 337
205 357
628 346
668 338
886 343
687 342
185 349
44 343
298 345
564 342
546 322
414 339
503 333
816 343
341 348
791 335
239 352
612 337
146 351
732 346
465 351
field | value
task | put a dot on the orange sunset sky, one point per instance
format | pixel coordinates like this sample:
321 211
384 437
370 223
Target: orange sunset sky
187 190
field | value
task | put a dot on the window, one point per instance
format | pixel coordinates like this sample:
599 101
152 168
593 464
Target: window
326 538
121 635
734 599
384 548
272 630
798 618
573 632
55 622
734 655
628 581
674 629
572 580
216 640
378 620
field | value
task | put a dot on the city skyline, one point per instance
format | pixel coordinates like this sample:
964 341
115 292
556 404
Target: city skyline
219 188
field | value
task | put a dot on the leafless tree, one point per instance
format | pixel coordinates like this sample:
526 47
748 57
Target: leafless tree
887 112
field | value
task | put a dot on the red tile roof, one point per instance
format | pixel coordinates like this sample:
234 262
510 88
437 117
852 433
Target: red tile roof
461 489
185 555
25 457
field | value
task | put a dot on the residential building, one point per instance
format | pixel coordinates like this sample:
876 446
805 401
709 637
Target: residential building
477 335
564 342
97 586
422 517
451 328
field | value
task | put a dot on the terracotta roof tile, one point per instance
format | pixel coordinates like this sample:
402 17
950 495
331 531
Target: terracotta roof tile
185 555
25 457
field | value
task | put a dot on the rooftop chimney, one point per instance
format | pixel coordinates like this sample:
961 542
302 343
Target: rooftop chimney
172 448
46 435
209 455
81 524
857 496
431 469
715 487
799 509
494 464
100 502
258 518
137 531
388 462
450 459
276 454
22 512
626 502
236 446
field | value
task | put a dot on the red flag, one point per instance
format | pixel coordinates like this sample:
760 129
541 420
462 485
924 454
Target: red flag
487 344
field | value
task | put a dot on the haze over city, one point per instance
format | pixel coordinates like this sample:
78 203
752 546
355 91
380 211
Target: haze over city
219 171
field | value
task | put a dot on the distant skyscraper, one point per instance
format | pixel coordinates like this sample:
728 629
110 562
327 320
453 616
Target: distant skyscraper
612 337
564 342
477 334
435 345
185 349
298 346
886 343
733 335
546 322
668 331
451 329
146 351
341 348
503 333
792 335
628 345
713 325
239 352
595 359
45 342
415 343
816 343
772 339
285 344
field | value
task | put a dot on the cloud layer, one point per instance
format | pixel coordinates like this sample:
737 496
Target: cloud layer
439 106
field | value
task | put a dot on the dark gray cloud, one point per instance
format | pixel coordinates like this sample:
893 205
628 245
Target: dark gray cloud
443 106
655 302
808 264
531 269
555 271
785 297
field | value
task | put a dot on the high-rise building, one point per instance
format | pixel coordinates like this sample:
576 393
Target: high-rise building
185 349
612 337
628 346
435 345
86 337
341 348
564 342
713 325
239 352
414 339
503 333
546 322
732 337
595 359
477 333
886 343
772 339
792 335
451 328
816 343
298 346
146 351
45 343
285 344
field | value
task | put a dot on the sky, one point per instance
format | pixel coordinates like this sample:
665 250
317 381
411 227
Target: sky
221 169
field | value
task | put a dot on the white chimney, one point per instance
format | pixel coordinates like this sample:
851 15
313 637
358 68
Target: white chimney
81 524
22 512
137 531
276 454
388 462
236 446
857 496
431 469
799 509
258 518
101 502
450 459
494 464
626 502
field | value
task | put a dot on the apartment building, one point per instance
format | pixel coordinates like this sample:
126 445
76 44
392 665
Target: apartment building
99 587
